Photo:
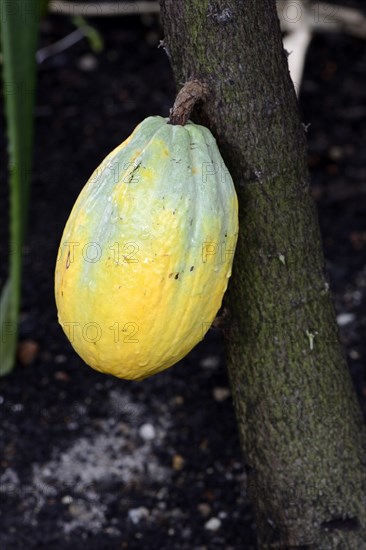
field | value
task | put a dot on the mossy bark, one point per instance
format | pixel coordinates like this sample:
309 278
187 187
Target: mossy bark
300 426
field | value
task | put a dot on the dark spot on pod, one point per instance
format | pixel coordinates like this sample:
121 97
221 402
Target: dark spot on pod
133 172
176 276
68 260
192 268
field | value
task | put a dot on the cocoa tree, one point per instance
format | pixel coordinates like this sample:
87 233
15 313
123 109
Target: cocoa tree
301 430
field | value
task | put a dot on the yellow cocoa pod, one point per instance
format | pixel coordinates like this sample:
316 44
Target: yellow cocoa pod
147 251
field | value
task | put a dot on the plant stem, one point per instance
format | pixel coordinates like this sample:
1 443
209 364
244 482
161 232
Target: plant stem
193 91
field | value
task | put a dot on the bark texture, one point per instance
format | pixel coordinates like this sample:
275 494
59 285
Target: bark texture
301 429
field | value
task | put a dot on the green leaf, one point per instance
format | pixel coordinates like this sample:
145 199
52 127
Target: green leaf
19 22
94 37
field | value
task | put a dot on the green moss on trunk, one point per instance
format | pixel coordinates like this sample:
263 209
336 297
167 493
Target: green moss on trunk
300 426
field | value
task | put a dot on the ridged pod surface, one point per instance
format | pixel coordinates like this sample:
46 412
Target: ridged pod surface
146 253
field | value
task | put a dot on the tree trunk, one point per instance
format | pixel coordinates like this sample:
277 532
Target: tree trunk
300 427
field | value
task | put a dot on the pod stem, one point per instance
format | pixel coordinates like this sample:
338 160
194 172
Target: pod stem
193 91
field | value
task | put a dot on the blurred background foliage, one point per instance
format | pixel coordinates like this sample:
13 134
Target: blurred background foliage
19 25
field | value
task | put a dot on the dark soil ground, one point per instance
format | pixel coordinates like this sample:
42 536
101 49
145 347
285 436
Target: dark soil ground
92 461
